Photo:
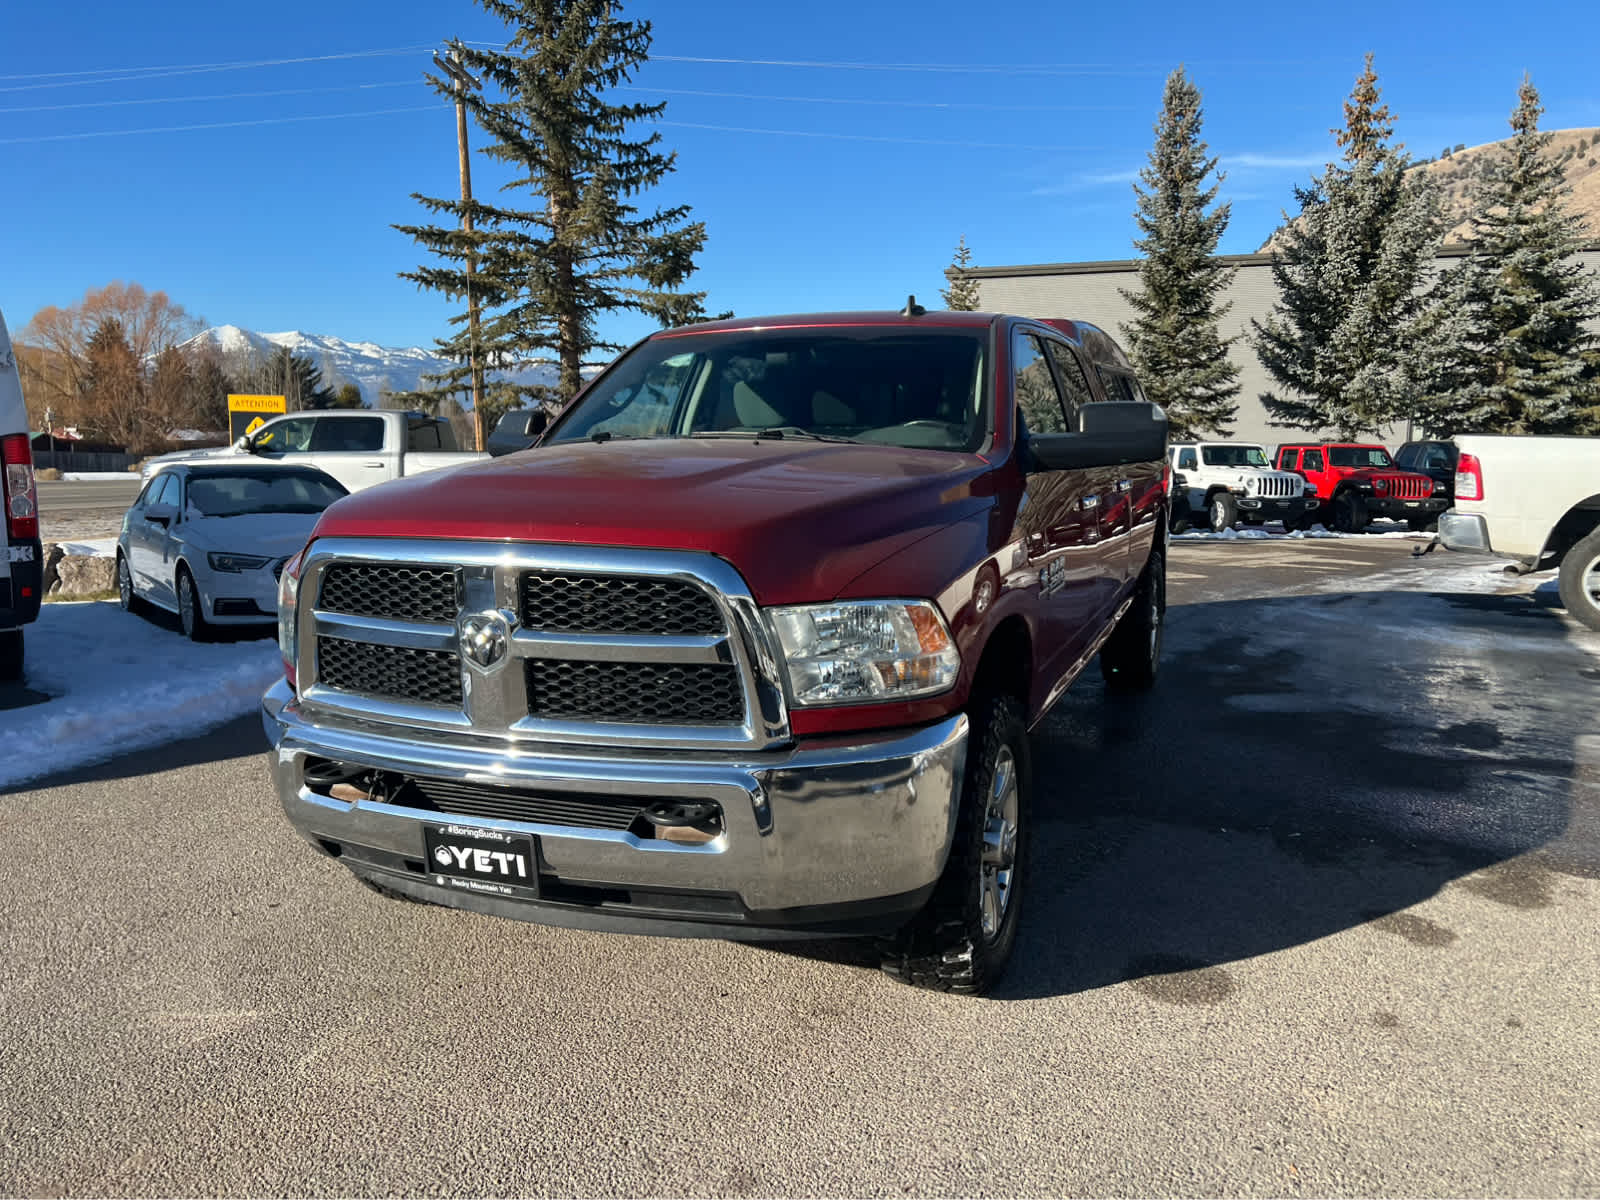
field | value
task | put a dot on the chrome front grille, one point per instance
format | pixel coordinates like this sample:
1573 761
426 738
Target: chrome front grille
1278 486
398 591
572 603
539 643
652 693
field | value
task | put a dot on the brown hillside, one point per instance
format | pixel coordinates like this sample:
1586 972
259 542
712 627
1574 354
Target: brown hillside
1458 173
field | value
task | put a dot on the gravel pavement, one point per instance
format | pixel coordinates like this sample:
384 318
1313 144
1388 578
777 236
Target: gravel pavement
1317 917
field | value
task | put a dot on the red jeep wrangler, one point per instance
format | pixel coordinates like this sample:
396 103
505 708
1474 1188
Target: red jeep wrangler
748 644
1357 481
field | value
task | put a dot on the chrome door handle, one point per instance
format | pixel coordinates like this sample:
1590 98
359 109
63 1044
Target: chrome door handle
372 464
1124 485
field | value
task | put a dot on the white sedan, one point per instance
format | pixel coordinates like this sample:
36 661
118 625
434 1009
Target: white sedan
208 541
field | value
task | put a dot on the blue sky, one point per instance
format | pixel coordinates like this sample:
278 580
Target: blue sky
835 150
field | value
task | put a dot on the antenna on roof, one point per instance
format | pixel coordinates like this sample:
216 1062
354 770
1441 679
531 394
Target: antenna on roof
912 308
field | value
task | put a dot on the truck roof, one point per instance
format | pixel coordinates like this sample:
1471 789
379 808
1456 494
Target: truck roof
822 320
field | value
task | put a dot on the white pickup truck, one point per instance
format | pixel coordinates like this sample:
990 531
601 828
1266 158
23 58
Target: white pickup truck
1536 499
358 447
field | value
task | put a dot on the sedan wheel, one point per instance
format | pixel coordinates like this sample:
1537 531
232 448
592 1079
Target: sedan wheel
190 617
125 596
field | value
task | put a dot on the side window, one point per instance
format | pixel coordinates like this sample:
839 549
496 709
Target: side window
1186 459
1035 387
1074 384
1407 457
148 492
1288 460
168 492
423 437
292 436
350 435
1437 457
646 408
1114 384
1313 461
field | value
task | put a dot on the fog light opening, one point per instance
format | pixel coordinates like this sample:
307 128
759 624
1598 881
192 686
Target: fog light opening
685 822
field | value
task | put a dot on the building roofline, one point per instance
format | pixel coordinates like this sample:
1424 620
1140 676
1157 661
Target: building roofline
1130 265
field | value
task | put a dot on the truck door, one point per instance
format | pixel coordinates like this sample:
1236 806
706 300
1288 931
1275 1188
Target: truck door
351 450
1058 521
1105 502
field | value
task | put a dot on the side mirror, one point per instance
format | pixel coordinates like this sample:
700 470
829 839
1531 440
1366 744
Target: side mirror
161 514
1111 433
244 445
517 430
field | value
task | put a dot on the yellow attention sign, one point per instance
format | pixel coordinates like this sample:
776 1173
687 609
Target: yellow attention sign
257 404
254 425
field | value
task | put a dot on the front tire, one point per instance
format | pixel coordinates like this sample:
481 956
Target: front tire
126 596
1349 513
11 656
1132 655
191 616
962 940
1223 511
1579 583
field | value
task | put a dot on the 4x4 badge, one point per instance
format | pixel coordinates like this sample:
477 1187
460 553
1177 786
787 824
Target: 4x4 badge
484 638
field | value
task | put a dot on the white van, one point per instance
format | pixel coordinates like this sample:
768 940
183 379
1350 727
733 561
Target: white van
21 559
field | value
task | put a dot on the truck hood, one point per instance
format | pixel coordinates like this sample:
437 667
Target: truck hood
799 520
159 460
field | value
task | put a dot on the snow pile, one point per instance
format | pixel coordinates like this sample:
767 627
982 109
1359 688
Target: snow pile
120 682
1377 529
100 476
91 548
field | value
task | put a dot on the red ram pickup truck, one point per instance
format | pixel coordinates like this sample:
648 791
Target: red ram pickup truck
748 645
1357 481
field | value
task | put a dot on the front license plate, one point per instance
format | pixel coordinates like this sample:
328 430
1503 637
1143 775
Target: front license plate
482 860
1413 503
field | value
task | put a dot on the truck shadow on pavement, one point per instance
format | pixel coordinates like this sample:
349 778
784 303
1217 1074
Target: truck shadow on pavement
1305 765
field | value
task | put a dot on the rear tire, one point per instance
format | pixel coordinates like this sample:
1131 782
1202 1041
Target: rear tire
1182 515
962 940
1223 511
1132 655
11 656
1349 513
1580 580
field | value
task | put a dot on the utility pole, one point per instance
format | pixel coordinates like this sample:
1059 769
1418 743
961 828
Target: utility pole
463 80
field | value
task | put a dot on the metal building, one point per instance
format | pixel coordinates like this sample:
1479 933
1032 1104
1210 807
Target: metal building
1092 291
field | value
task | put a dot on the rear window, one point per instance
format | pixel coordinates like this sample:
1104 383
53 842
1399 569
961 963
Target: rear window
887 386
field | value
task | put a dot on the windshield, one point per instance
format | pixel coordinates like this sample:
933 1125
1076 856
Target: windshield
1359 456
879 385
1234 456
233 495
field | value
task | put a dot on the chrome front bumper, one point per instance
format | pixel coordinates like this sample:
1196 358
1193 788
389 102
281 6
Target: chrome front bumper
1464 531
818 836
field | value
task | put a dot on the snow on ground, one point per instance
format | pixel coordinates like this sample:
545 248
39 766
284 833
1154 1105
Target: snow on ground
93 476
1244 533
91 547
121 682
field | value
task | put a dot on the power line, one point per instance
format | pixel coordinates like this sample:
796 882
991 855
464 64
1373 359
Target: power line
348 87
867 137
108 133
950 68
138 74
934 104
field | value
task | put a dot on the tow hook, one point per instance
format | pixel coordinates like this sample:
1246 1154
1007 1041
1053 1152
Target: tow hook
687 822
1428 549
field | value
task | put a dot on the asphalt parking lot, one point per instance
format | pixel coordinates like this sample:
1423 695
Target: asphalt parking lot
1317 917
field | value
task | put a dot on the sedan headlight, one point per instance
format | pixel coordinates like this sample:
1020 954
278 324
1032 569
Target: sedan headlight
234 563
860 651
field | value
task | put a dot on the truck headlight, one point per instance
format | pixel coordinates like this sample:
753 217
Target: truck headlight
859 651
288 631
234 563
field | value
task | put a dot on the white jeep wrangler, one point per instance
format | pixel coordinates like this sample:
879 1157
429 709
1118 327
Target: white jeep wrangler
1220 483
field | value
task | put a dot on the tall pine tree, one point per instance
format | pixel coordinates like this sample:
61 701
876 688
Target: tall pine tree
1176 345
1515 354
581 250
1345 338
962 294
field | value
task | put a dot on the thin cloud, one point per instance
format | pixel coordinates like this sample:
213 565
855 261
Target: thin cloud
1269 162
1089 179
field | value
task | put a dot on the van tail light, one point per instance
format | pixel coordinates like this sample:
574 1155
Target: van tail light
1469 478
20 493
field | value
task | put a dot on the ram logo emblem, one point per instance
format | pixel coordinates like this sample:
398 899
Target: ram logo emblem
485 637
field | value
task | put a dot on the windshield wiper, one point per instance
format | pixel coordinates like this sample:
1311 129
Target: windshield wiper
775 433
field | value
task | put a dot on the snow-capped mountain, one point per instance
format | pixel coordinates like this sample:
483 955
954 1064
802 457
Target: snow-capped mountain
376 370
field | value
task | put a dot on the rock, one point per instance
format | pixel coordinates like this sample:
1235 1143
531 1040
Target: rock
53 554
79 575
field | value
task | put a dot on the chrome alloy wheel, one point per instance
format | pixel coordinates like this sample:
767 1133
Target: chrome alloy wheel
124 584
999 843
1590 580
186 604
